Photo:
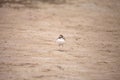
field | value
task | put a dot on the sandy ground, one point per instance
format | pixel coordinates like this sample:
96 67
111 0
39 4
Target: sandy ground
28 50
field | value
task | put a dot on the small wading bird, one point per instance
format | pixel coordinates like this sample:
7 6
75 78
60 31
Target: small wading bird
60 40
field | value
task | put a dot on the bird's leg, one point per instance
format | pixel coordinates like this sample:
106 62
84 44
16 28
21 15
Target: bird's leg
60 45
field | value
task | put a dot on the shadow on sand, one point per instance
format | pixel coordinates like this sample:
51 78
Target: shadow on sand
61 50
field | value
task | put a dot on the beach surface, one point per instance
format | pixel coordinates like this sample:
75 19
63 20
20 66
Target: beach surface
28 48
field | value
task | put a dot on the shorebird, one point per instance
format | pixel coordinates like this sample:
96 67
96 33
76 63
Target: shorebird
60 40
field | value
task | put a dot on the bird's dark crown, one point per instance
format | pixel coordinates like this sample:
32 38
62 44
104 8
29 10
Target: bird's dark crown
61 36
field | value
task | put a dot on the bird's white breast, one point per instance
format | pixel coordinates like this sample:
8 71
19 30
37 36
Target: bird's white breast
60 41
